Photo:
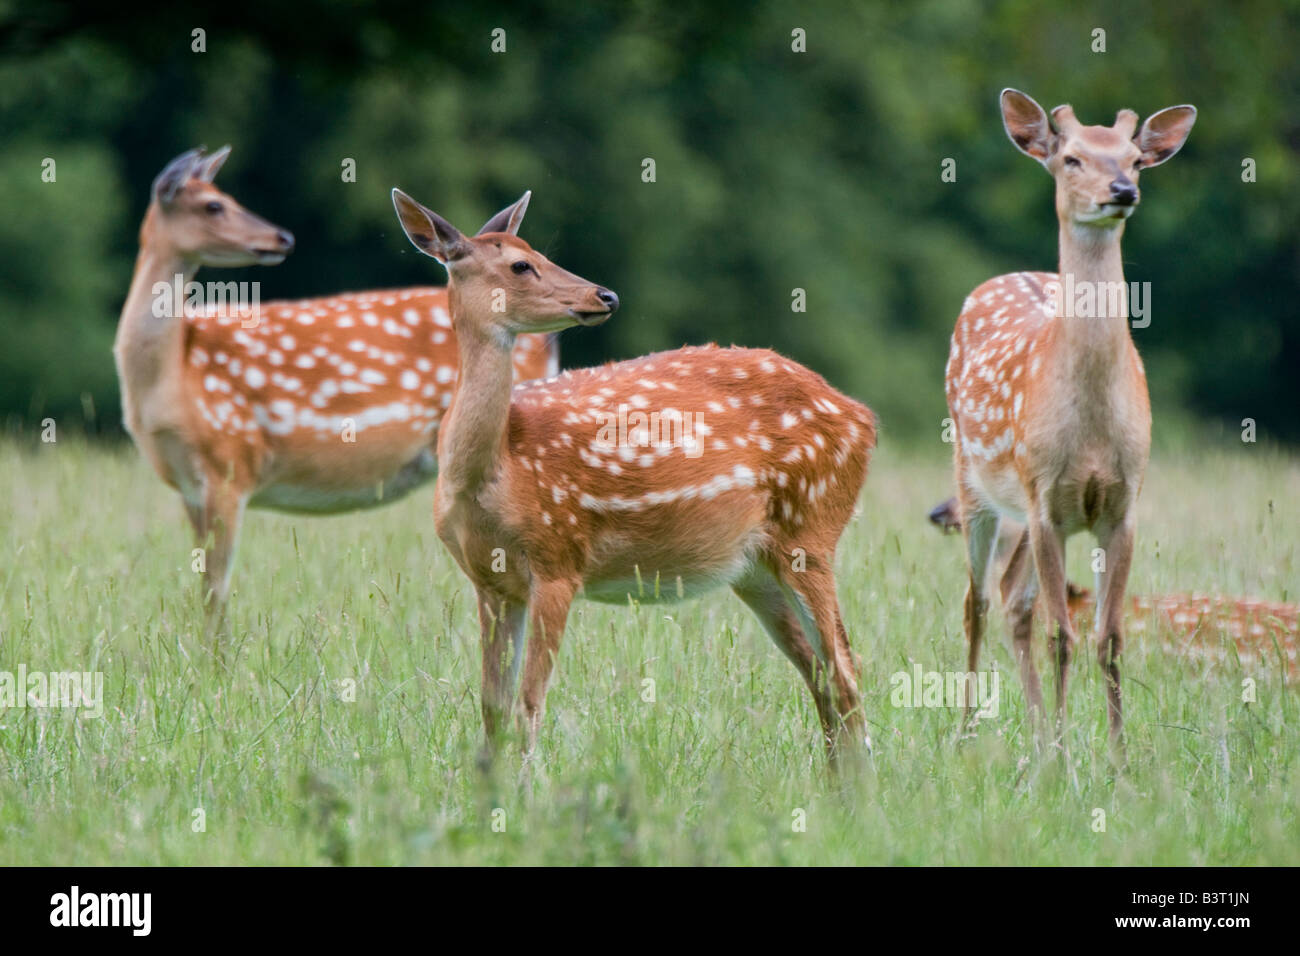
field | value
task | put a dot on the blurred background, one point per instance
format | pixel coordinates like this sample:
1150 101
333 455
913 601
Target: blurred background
774 170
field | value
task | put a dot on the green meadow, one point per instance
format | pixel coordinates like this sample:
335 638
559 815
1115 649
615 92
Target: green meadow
339 722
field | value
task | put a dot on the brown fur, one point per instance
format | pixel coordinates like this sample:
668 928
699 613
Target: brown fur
536 507
1051 411
215 400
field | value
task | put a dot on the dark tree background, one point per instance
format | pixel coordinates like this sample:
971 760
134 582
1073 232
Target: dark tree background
775 170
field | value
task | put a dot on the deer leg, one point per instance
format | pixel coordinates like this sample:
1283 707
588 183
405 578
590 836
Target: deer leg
501 627
1117 550
762 593
1019 595
549 608
815 604
1049 557
197 513
1013 575
979 526
218 530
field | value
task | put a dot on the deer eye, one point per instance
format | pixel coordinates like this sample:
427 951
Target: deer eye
520 267
213 207
1073 161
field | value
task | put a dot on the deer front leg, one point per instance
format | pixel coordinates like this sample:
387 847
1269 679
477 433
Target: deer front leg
548 606
501 626
1112 581
1049 556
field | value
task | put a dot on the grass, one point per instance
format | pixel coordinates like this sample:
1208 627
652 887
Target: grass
343 724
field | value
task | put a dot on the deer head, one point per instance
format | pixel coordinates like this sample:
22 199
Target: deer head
1095 167
497 281
197 221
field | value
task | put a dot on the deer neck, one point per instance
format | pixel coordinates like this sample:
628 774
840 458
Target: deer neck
148 348
472 437
1093 342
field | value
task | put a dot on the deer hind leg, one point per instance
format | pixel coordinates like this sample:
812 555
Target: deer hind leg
979 527
1117 551
1019 595
811 592
549 608
501 627
1049 556
216 525
762 593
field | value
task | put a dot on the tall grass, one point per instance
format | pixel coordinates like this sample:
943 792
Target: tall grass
341 722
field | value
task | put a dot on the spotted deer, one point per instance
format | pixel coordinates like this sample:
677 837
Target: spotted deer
316 406
1192 624
539 498
1049 399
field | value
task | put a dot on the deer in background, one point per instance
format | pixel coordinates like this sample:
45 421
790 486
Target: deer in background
536 507
236 408
1051 410
1186 623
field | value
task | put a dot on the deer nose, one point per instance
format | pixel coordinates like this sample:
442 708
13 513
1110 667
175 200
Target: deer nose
285 238
1123 192
608 298
945 516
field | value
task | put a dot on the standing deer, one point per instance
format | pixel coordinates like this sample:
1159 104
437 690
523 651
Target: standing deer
1050 405
317 406
536 505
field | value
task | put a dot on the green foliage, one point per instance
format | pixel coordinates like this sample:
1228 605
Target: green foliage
775 170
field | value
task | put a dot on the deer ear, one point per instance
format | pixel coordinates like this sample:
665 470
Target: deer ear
508 219
175 175
1164 133
1027 125
429 232
208 167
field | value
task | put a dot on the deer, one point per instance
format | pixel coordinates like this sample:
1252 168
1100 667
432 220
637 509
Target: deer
1050 404
537 506
1190 623
313 406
